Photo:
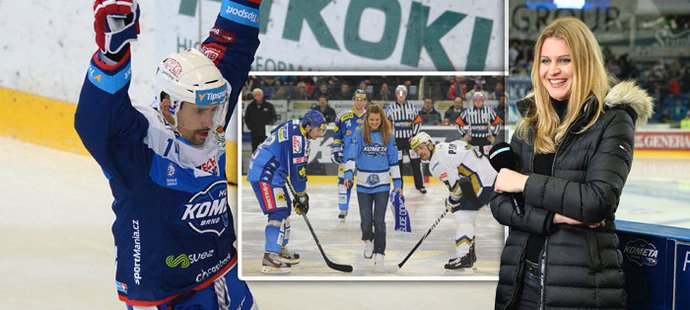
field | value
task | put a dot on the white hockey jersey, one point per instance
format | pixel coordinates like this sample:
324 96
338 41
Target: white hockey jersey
454 160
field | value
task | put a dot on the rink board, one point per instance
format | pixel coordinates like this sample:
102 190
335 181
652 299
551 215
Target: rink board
656 263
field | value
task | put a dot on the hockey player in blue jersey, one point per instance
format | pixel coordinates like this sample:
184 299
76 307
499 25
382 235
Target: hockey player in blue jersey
373 155
282 158
345 125
165 162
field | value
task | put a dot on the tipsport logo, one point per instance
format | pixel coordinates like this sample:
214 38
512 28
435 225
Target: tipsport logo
205 97
184 260
207 211
240 14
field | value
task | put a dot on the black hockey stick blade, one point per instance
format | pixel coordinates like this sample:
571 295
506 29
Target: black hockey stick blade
331 264
438 220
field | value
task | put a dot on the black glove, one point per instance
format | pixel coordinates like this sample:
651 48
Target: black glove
452 204
301 205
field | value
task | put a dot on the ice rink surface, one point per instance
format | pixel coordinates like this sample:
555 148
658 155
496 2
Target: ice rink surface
342 240
57 249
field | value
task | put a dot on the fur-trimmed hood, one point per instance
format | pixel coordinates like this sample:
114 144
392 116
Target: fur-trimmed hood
625 95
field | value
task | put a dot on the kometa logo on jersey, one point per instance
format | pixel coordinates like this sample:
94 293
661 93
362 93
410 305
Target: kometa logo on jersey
375 150
207 211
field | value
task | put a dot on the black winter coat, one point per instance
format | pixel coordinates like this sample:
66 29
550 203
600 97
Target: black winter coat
258 116
581 267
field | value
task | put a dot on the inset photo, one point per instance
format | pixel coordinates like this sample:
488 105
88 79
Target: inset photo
369 177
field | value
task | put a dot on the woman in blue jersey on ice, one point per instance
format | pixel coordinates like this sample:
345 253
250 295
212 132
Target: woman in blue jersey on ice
373 153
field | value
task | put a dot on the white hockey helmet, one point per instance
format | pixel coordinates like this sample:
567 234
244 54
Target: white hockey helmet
190 76
418 139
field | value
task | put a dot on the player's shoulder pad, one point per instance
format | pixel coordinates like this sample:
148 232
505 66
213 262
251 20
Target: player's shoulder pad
345 115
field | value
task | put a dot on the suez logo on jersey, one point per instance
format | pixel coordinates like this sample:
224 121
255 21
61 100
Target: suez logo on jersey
210 96
207 211
184 260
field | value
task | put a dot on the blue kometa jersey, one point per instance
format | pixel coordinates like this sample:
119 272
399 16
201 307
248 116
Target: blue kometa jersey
376 163
345 125
173 229
285 153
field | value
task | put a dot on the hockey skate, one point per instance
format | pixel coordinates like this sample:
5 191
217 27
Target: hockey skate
271 264
289 257
368 249
342 215
465 262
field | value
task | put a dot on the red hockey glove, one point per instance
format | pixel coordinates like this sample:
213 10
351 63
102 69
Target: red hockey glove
116 23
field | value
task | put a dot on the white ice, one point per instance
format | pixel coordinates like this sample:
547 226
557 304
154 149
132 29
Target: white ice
342 240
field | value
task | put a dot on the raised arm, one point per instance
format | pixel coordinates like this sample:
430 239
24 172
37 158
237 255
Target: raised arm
232 43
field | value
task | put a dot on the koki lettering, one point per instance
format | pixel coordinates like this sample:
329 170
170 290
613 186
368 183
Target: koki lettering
422 32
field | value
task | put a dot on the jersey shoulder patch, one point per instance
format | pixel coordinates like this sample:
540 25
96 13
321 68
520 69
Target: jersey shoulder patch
346 115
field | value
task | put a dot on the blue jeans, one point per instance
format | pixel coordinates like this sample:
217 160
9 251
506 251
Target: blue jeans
376 219
530 296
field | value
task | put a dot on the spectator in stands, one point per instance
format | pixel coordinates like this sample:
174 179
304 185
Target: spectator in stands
385 93
325 109
281 93
268 87
300 92
685 122
429 115
501 108
678 109
497 92
259 114
478 88
412 90
345 91
457 88
453 112
364 86
322 91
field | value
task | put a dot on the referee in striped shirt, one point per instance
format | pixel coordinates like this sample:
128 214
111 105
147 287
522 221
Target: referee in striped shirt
406 121
479 125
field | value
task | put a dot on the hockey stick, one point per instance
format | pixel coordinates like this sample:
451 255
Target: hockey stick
331 264
438 220
466 188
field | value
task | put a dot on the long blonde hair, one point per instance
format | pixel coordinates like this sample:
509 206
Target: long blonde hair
589 79
384 129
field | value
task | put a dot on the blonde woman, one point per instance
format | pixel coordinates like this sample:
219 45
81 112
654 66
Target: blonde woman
575 149
373 153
